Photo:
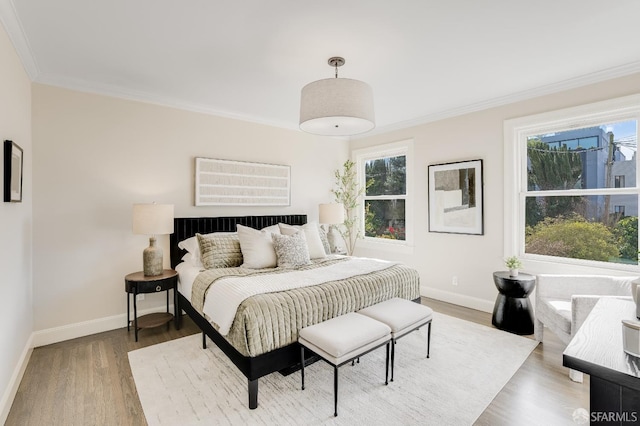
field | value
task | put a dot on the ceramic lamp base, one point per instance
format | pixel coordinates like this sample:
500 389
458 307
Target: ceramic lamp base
152 259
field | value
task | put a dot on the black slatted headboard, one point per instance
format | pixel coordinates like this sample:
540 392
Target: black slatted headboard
185 227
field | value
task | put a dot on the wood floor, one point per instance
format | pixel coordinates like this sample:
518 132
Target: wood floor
87 381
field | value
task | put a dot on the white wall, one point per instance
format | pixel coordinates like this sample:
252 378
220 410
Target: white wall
479 135
15 228
94 156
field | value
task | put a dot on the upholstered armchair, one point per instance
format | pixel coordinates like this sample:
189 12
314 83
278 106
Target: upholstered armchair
563 302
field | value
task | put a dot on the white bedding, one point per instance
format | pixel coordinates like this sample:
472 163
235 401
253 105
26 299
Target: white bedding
223 299
225 296
187 274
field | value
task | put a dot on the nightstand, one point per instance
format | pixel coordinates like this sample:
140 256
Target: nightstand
137 283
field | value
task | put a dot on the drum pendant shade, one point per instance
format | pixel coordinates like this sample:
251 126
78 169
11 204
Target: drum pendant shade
337 107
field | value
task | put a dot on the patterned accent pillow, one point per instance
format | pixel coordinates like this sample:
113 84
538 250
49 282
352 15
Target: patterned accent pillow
291 250
220 250
312 235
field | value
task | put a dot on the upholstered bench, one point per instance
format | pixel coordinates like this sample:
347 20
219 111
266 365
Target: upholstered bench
342 339
402 316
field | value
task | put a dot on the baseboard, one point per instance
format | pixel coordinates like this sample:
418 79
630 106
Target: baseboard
14 382
86 328
457 299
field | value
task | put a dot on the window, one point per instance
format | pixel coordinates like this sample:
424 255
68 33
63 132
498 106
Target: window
570 185
385 209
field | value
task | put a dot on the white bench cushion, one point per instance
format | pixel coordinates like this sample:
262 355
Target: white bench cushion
345 337
401 315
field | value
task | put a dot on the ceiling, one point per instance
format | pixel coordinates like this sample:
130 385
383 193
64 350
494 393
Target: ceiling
248 59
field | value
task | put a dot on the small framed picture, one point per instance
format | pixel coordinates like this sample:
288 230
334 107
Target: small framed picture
455 198
12 172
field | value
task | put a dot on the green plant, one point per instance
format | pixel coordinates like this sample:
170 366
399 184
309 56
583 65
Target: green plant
626 234
347 191
513 262
572 237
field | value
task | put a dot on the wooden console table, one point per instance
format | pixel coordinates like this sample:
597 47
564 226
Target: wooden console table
597 350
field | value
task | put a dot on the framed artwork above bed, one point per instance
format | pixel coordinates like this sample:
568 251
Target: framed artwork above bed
240 183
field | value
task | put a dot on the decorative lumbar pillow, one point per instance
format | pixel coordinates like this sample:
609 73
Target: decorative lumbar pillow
310 230
257 248
192 246
291 250
220 250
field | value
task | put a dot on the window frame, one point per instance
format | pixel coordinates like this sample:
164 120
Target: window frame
516 132
393 149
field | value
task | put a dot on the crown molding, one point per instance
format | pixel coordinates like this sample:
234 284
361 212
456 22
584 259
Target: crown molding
13 26
548 89
140 96
134 95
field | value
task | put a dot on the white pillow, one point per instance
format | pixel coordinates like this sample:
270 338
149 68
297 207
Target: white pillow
314 243
191 245
274 229
193 251
257 247
192 260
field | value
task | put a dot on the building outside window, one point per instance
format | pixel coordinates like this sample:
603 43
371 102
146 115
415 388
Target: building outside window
575 197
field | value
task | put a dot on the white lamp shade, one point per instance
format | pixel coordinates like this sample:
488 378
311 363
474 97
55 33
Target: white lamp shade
153 219
337 107
331 214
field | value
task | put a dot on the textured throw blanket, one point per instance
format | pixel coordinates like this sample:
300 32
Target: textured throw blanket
232 287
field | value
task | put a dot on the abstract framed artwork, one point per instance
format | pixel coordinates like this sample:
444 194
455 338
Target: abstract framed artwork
240 183
455 198
12 172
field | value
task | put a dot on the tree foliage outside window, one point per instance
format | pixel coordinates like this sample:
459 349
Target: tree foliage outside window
572 206
384 199
572 237
626 234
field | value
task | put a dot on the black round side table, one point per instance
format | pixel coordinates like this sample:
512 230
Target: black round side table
512 311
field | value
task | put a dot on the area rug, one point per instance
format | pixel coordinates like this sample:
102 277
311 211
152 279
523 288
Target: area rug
179 383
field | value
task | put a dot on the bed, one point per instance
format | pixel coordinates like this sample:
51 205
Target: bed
257 356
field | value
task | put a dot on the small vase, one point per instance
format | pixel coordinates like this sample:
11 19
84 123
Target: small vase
513 273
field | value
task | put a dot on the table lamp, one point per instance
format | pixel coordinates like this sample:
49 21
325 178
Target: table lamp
152 219
331 214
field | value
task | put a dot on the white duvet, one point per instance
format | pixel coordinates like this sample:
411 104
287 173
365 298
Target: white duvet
225 296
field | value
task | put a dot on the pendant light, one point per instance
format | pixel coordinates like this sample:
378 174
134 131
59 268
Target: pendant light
336 106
